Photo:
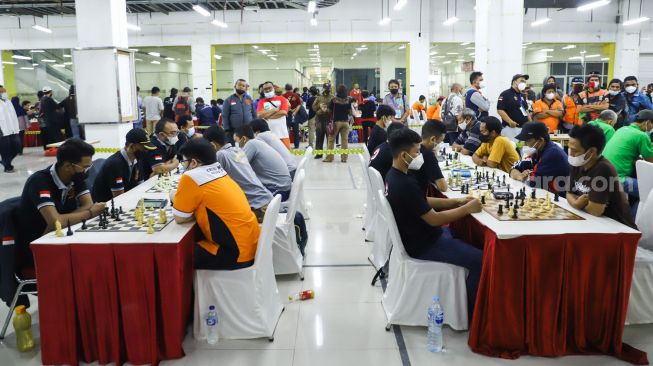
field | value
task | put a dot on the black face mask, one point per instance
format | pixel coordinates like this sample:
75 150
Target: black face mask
484 138
140 154
394 91
240 92
80 177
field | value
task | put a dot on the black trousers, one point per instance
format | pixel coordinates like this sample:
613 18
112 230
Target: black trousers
320 133
9 147
205 260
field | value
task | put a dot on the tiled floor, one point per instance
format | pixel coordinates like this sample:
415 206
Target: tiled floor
344 324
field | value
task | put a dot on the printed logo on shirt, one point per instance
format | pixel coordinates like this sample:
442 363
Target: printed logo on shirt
158 157
119 180
233 103
376 153
500 98
582 188
8 240
45 194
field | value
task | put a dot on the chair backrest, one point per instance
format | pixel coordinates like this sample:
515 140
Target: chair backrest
297 186
366 178
644 178
301 165
93 172
308 153
376 181
386 213
264 248
366 156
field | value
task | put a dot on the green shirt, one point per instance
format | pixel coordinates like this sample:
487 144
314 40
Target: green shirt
608 130
625 147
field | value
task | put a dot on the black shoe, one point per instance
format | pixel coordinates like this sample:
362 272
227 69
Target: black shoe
318 157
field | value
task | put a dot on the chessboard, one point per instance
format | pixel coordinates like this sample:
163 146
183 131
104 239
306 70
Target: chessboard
454 165
165 183
528 209
128 223
478 181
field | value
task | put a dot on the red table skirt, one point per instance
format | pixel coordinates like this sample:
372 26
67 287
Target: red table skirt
552 295
113 303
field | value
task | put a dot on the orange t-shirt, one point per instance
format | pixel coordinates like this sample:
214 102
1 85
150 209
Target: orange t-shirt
551 122
222 212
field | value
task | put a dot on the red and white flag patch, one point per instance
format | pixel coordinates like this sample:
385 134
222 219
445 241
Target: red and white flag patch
8 240
45 194
158 157
119 180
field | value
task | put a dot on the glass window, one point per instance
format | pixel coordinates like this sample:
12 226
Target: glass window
575 68
558 68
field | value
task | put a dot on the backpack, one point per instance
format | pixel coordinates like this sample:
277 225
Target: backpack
449 120
181 108
300 231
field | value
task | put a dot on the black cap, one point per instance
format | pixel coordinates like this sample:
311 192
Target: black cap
577 80
644 115
139 136
532 130
517 76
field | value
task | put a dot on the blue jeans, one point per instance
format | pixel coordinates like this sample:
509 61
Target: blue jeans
631 187
448 249
291 124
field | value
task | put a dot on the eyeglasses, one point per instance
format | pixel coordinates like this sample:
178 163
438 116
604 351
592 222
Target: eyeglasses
85 169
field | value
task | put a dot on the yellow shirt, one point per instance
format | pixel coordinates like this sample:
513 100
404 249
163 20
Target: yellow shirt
501 152
222 212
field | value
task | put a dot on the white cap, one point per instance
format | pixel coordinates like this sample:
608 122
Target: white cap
46 89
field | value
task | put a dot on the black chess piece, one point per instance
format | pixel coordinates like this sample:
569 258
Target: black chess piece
120 210
500 210
483 199
504 179
556 197
533 194
514 213
508 188
113 205
117 218
113 213
455 156
84 227
446 163
521 204
70 230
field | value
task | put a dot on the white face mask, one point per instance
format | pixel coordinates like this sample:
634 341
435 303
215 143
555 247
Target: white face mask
550 96
528 150
4 96
482 84
416 163
577 161
613 92
521 86
462 126
631 89
269 95
191 132
172 140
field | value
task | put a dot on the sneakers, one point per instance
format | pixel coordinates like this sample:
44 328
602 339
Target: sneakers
318 157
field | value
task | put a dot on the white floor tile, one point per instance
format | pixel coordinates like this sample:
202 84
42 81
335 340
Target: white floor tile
377 357
342 285
204 357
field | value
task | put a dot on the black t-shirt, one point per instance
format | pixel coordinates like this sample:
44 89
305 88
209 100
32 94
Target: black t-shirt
616 201
377 137
161 155
408 204
367 109
340 110
510 102
41 190
430 171
309 107
115 175
381 159
168 111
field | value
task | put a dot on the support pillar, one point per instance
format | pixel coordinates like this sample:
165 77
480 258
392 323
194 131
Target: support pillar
240 67
201 69
420 46
626 60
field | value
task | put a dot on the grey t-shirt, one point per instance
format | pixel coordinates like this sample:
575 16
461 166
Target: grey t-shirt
235 163
273 140
268 165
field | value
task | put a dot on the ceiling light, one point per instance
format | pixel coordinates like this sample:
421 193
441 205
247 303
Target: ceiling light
439 56
217 57
170 59
155 62
472 54
452 53
355 54
352 57
9 63
67 63
273 58
219 23
576 58
433 53
593 5
155 54
27 68
592 56
400 4
571 46
273 55
35 64
42 29
19 57
540 22
58 65
582 52
313 22
255 47
549 56
450 21
312 5
316 46
385 21
198 8
470 48
139 59
37 51
48 60
69 56
636 21
446 62
133 27
403 46
264 51
465 43
547 50
527 44
460 60
605 59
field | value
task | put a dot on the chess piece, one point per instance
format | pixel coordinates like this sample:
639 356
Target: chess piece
70 231
483 199
162 217
57 229
556 197
521 204
446 163
450 180
120 210
139 217
150 225
84 227
117 218
504 179
514 213
510 212
533 193
500 210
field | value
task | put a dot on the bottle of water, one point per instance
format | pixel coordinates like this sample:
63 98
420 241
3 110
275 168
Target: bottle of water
212 326
434 341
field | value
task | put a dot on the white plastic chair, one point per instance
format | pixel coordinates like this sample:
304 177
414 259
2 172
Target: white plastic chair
286 257
370 207
640 307
413 283
247 300
366 156
644 218
302 207
382 245
308 153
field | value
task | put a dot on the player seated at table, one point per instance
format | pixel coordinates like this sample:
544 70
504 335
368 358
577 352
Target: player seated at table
379 135
496 151
433 134
262 132
123 170
269 166
606 122
207 195
470 129
187 130
593 182
164 158
421 219
56 193
235 163
381 158
543 163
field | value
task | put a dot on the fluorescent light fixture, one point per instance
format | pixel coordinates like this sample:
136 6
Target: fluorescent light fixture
465 43
355 54
35 64
583 52
470 48
313 22
361 49
42 29
569 47
312 5
255 47
48 60
155 54
170 59
605 59
636 21
460 60
139 59
219 23
385 21
540 22
198 8
20 57
155 62
59 65
352 57
547 50
433 53
273 55
273 58
472 54
27 68
264 51
446 62
452 53
67 63
9 63
133 27
316 46
450 21
527 44
403 46
593 5
592 56
400 4
439 56
37 51
576 58
549 56
69 56
217 57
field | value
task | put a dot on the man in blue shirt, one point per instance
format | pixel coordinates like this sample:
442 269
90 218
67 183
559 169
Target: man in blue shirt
635 100
204 113
238 109
543 163
468 140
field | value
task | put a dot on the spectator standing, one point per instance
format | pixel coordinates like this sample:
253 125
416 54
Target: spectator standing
368 120
295 101
356 93
154 108
71 123
474 99
340 109
311 115
51 118
617 100
420 106
512 106
397 100
305 95
274 108
551 80
139 103
593 100
168 104
570 104
635 100
9 142
238 109
183 105
23 119
548 109
217 111
204 113
322 116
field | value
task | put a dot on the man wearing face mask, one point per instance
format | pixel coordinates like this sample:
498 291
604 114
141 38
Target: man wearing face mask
543 163
617 100
9 131
322 116
593 100
548 109
627 145
468 140
512 106
421 220
238 109
496 151
164 158
397 100
274 109
384 115
381 158
606 122
474 100
123 170
430 175
636 101
187 131
262 132
570 104
207 195
587 189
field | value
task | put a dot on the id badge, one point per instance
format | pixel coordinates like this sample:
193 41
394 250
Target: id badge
398 114
523 111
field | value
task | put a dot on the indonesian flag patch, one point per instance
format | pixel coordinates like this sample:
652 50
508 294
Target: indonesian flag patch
44 194
8 240
158 157
119 180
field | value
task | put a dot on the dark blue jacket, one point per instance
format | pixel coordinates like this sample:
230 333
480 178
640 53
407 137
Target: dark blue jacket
8 282
546 166
634 103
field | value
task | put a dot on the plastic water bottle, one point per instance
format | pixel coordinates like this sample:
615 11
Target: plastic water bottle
434 341
212 326
23 327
